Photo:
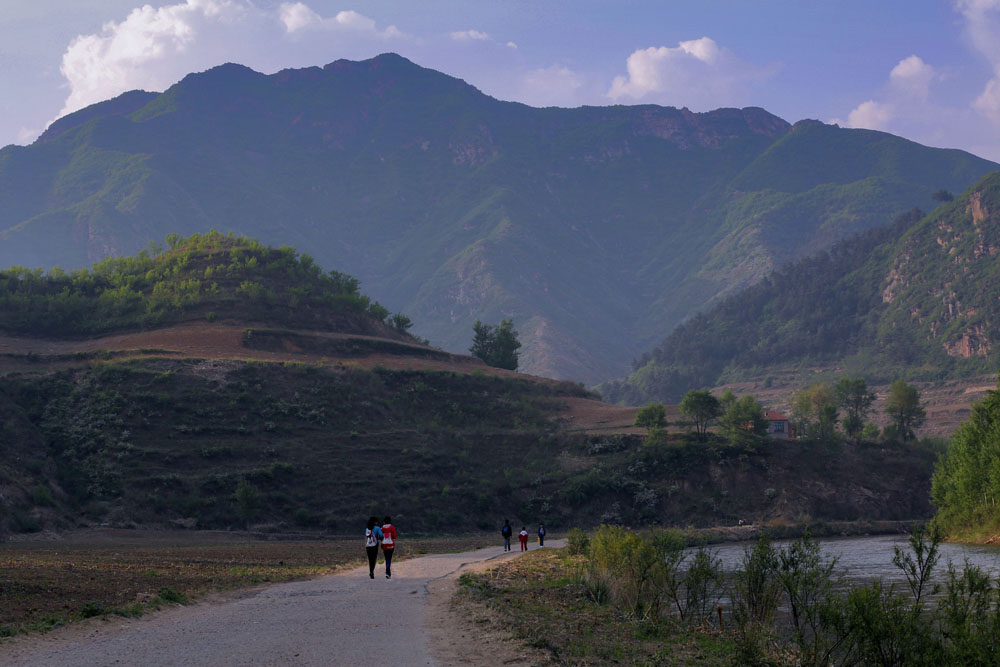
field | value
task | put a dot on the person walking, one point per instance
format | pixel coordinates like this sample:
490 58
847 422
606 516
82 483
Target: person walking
541 534
523 536
388 544
373 536
507 532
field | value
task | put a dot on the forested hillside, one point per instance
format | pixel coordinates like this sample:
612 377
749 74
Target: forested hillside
916 299
596 229
206 276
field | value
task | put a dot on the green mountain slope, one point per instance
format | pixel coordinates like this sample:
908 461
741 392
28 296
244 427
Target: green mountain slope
916 299
596 229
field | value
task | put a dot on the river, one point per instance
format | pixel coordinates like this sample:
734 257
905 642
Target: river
864 559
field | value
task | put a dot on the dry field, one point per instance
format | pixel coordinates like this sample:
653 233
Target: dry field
44 584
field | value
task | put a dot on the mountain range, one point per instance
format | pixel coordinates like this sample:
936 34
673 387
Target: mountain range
916 299
597 229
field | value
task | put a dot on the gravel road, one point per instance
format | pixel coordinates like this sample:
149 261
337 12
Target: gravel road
344 619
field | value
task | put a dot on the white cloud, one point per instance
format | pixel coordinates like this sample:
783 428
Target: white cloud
697 73
299 16
470 36
982 24
870 115
154 47
550 86
912 77
512 45
26 135
988 102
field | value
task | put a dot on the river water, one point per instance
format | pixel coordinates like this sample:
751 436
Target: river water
864 559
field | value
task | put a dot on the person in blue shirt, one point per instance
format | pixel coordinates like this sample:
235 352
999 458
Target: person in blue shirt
373 536
506 531
541 535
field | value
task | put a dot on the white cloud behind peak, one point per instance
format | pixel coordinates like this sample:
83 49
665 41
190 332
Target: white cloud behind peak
913 77
697 73
152 48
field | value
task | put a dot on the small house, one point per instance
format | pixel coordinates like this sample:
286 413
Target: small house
778 426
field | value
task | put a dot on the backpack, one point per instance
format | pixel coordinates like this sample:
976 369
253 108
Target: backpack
506 531
387 540
371 539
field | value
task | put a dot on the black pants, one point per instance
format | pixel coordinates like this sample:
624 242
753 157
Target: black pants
388 562
372 558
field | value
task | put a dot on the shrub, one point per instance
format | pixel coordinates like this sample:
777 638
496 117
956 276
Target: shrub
91 609
171 595
577 542
41 496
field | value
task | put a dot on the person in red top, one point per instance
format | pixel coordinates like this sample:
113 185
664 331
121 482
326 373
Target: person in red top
388 544
523 536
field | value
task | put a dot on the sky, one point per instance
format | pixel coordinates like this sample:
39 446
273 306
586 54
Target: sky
926 70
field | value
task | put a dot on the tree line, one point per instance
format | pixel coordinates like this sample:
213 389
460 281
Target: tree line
817 412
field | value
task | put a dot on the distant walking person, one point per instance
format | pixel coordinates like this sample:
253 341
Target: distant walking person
506 531
523 535
373 535
541 534
388 544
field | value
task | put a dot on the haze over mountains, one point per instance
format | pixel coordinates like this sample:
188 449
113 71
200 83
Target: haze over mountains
596 229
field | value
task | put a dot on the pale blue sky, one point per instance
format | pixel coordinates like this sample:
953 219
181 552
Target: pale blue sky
928 70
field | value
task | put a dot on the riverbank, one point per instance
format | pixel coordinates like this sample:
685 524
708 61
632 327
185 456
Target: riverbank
790 531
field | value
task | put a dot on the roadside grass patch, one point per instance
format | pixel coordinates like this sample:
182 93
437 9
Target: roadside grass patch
541 600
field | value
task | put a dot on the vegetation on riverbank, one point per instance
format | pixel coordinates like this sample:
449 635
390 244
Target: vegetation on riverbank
966 482
639 597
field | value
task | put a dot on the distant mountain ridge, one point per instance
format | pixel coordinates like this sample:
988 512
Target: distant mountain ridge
596 229
917 299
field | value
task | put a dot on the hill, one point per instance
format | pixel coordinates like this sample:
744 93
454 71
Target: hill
148 411
205 276
916 299
596 229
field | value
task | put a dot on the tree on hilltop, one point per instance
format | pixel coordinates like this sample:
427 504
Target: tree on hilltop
854 397
653 416
904 409
496 345
702 407
743 416
815 409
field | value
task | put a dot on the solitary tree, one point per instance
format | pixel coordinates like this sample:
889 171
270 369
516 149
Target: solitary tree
904 409
247 499
652 416
809 406
496 345
702 407
744 416
854 397
400 322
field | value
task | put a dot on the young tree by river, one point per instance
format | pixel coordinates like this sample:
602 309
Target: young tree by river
966 484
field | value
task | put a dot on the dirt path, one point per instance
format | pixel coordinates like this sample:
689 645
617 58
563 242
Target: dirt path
345 619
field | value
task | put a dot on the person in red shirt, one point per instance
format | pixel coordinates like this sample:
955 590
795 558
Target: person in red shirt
523 536
388 544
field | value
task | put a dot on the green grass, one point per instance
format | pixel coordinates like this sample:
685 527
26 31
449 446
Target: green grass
540 601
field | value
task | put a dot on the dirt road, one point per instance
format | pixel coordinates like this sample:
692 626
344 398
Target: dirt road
345 619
